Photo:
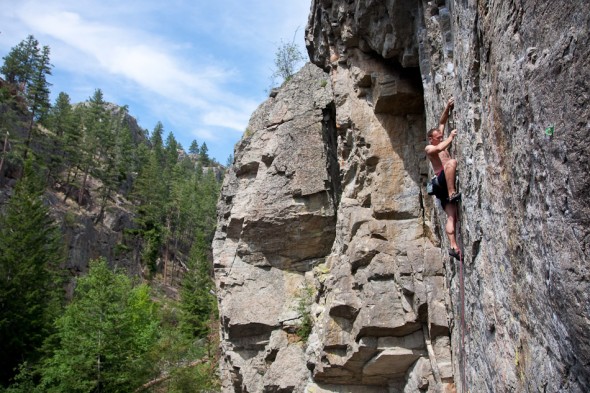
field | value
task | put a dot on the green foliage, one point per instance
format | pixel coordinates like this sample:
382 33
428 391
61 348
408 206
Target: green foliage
29 286
109 338
8 115
175 202
26 67
194 147
122 248
19 63
288 58
171 151
158 143
150 192
304 302
197 378
186 364
151 249
70 141
230 161
37 91
104 336
60 120
94 142
204 155
198 303
70 219
23 381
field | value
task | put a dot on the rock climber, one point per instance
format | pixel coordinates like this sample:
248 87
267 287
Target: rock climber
445 168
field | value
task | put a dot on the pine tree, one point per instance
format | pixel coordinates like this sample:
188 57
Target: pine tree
171 151
114 157
103 335
60 121
194 147
158 143
230 161
8 121
31 252
27 66
204 155
19 63
198 304
73 150
149 193
94 123
126 156
38 90
208 190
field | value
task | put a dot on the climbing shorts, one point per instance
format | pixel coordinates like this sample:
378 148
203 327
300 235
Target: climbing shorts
442 192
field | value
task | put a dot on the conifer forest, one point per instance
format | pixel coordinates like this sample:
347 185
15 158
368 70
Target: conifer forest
105 233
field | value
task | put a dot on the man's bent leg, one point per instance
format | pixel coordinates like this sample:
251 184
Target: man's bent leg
450 171
451 210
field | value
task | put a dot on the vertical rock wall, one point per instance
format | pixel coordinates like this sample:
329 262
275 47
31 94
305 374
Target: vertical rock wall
381 318
521 67
324 218
515 68
277 214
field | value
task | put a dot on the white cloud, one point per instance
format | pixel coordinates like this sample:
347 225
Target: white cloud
122 52
191 64
204 134
228 118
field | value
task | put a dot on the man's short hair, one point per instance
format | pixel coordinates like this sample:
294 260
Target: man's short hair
431 131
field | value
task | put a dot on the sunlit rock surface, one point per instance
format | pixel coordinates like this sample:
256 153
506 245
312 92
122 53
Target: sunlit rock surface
324 213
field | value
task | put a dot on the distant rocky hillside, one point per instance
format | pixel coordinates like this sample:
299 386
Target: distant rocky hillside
330 258
90 227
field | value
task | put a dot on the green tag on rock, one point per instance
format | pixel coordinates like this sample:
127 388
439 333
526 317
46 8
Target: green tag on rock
549 130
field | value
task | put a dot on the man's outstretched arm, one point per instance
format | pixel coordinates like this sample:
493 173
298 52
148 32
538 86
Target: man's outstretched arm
445 115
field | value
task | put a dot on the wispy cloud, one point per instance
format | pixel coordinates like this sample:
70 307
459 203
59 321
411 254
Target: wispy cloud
195 65
203 134
124 52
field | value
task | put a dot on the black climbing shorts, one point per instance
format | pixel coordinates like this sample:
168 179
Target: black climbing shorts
442 192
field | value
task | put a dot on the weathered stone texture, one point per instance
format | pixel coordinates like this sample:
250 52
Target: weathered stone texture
277 219
514 68
328 192
522 67
383 301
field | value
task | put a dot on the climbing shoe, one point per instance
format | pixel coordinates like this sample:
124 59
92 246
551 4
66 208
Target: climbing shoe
456 197
455 254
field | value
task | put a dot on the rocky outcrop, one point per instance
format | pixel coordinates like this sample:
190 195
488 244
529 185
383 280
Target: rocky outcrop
86 237
382 320
366 242
277 214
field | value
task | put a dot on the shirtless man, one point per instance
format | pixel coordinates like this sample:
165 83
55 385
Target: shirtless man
445 168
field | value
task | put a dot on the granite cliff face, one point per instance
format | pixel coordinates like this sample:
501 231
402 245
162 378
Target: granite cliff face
277 216
324 219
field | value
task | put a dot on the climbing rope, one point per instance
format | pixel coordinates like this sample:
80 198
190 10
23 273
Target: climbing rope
462 353
463 356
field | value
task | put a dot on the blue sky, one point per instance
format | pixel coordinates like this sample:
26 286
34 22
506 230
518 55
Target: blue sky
200 67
